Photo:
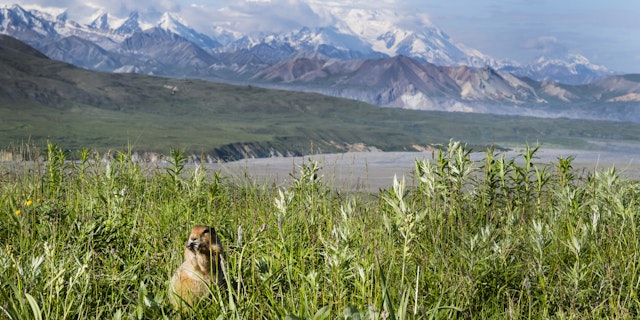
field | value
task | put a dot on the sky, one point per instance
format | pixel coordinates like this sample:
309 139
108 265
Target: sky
605 32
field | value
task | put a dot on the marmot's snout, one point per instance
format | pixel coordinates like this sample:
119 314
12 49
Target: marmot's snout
193 245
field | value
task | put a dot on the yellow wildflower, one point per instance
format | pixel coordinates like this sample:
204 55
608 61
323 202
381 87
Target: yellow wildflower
18 212
29 203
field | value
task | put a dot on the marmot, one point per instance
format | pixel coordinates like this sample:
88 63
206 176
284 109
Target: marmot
202 257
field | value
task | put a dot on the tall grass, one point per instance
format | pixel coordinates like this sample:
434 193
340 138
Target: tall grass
99 237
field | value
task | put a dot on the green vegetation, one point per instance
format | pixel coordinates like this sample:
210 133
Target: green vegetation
45 100
496 238
285 122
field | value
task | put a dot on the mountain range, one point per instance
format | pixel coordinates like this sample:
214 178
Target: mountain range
366 55
43 100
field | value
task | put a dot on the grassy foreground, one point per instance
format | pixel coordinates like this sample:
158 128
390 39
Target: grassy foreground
492 239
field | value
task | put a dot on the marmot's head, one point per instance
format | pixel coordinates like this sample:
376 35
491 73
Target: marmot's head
203 239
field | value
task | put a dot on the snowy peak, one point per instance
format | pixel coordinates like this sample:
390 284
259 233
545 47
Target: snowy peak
100 21
387 32
172 23
335 32
570 69
130 25
62 17
570 61
326 41
176 25
49 14
103 21
16 20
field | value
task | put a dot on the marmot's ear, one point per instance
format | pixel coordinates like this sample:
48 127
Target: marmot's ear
214 235
209 230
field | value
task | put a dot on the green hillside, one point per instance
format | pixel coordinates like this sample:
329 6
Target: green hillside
44 100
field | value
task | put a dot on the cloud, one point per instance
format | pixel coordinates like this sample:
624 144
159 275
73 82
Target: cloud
548 46
80 10
278 15
238 15
274 15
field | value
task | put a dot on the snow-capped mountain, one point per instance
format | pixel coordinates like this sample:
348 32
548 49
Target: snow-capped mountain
324 42
176 25
388 32
350 44
167 53
101 21
361 33
347 34
130 25
569 69
24 24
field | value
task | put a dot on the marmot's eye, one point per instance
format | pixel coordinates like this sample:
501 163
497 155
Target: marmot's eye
205 231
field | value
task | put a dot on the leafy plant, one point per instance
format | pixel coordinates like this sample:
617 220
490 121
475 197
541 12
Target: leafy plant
490 238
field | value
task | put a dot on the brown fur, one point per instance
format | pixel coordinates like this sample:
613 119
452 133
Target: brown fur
202 256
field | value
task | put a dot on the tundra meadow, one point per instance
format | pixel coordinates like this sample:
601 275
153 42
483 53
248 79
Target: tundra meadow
86 238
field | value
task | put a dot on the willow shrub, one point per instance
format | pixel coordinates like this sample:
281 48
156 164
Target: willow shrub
455 238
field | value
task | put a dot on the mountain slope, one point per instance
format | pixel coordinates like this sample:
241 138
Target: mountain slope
488 84
403 82
82 53
46 100
407 83
168 53
617 86
103 110
345 58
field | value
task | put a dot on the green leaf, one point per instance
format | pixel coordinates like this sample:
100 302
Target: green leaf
323 313
37 314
